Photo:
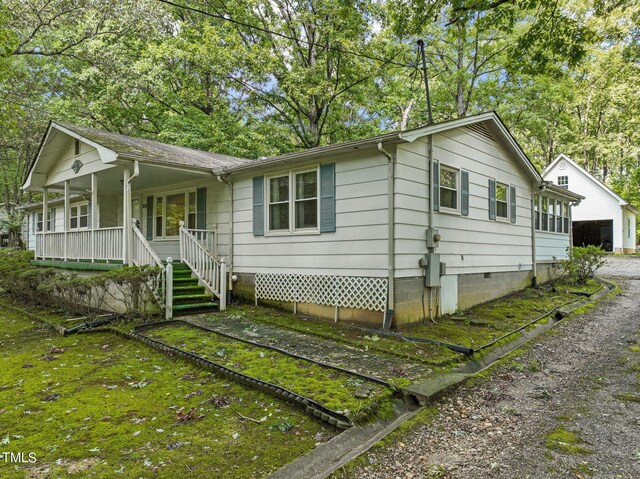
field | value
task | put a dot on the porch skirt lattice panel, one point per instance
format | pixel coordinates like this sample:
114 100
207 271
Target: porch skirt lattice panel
356 292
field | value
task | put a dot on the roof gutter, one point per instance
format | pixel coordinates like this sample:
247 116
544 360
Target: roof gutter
312 153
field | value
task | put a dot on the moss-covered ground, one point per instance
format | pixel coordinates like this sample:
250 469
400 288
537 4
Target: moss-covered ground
332 388
563 440
101 406
472 328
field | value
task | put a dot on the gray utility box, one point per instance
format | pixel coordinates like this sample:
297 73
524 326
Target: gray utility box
433 238
432 270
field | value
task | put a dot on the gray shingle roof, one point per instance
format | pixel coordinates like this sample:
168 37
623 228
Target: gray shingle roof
141 148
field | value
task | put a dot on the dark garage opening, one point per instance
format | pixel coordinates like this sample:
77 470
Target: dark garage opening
598 233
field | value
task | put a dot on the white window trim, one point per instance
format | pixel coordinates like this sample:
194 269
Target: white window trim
77 207
446 209
563 185
558 208
163 196
291 174
507 218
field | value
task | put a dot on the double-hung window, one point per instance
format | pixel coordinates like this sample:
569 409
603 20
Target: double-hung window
293 202
171 209
79 216
563 182
37 221
51 219
448 188
502 201
545 214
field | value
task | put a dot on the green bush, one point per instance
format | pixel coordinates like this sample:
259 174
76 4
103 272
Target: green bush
583 262
79 296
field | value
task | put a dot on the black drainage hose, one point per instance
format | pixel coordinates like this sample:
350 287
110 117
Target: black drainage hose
91 324
454 347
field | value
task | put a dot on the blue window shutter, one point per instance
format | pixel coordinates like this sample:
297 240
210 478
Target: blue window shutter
436 185
464 193
512 203
328 198
201 208
149 217
492 199
258 206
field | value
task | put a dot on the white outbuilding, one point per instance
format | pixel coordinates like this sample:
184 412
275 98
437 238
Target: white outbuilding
603 218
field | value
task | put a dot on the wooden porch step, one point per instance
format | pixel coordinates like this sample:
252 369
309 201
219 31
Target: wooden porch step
190 289
191 298
182 274
179 266
195 306
184 281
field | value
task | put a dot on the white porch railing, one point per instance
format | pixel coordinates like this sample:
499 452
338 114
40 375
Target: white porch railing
205 266
207 238
103 244
142 254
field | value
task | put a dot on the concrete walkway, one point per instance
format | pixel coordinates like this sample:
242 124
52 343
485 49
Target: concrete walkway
316 348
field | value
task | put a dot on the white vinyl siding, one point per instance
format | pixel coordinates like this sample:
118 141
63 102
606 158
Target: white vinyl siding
470 244
550 247
89 156
358 247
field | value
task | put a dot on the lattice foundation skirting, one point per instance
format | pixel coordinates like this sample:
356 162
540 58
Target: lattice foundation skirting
340 291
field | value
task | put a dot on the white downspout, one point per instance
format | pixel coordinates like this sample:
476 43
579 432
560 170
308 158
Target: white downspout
391 227
430 162
230 256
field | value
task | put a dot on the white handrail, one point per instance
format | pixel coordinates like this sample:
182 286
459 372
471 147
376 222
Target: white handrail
100 244
143 254
204 265
207 238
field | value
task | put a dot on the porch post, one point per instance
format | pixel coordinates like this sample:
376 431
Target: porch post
67 213
45 209
126 221
94 214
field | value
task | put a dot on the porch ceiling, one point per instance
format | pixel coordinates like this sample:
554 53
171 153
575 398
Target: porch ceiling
151 176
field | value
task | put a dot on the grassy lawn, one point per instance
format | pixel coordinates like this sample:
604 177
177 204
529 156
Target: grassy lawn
97 405
334 389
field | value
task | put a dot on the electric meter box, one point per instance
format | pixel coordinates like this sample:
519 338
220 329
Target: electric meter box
432 270
433 238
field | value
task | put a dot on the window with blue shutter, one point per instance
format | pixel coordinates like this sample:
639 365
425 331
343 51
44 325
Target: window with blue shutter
464 193
435 189
512 203
492 199
328 198
258 206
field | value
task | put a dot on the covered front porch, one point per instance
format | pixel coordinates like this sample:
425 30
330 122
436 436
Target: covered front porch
112 199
